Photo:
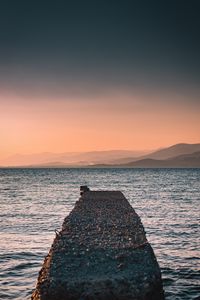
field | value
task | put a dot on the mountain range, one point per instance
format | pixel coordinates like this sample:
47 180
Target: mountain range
191 160
179 155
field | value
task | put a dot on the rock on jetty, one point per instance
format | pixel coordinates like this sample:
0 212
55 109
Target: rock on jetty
101 253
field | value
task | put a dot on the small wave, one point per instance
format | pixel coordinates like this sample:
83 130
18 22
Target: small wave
20 255
167 281
189 274
192 257
23 266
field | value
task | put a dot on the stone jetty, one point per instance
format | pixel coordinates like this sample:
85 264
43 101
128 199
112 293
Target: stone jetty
101 253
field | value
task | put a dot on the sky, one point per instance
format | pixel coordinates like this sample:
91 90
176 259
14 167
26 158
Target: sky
98 75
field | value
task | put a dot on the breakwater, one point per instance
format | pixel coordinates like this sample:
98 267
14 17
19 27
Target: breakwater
100 253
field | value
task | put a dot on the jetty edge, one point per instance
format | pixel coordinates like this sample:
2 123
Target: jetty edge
101 253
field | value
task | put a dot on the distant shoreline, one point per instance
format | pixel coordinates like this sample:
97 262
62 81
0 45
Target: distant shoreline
93 167
175 156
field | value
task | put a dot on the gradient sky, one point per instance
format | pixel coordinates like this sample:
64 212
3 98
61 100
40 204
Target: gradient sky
97 75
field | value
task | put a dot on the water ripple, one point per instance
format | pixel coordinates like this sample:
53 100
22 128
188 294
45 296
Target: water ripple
34 203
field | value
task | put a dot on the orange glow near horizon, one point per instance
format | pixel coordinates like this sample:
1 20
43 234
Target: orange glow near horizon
116 120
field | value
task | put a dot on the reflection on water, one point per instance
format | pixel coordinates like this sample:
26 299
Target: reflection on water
34 203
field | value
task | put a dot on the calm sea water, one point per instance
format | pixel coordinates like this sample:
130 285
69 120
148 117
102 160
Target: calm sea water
34 203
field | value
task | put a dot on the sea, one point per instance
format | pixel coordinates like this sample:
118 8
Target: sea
34 203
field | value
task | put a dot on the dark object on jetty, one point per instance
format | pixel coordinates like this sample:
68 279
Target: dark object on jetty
83 189
101 253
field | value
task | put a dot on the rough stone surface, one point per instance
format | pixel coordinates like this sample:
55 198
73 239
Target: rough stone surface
101 253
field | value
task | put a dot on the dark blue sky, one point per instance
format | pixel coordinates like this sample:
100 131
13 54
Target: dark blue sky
97 75
100 42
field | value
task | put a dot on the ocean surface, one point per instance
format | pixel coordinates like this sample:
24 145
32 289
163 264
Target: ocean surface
34 202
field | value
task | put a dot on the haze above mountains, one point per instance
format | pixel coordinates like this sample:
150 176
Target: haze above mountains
179 155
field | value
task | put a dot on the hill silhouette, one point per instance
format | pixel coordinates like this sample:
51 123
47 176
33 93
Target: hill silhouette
191 160
179 155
